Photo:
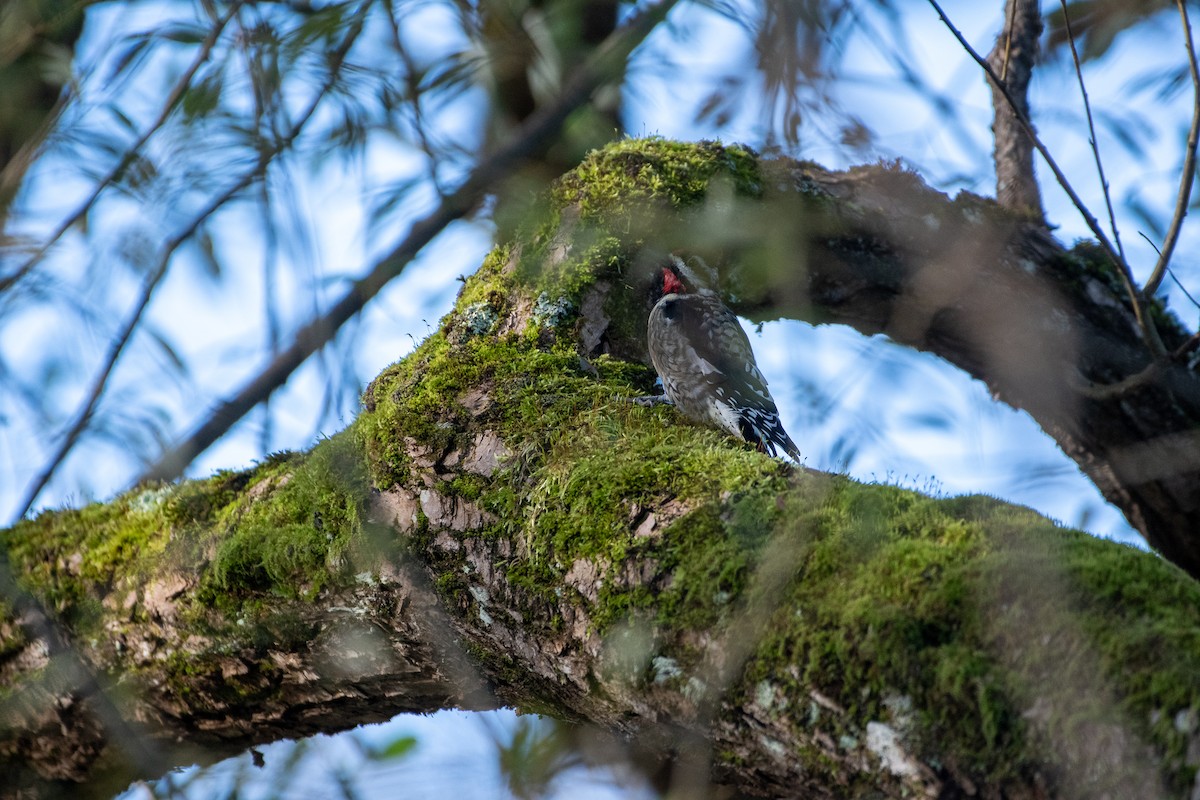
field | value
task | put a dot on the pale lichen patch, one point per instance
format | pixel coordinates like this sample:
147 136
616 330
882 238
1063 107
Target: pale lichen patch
593 319
584 576
395 507
476 400
158 597
884 742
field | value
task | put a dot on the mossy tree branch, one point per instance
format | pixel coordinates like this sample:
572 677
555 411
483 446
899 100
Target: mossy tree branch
607 562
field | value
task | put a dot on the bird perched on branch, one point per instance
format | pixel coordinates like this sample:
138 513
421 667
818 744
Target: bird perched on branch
704 358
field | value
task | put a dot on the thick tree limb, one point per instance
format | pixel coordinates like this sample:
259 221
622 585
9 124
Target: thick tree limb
197 682
607 562
1042 327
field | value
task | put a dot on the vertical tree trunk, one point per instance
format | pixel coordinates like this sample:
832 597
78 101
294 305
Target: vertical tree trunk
1013 59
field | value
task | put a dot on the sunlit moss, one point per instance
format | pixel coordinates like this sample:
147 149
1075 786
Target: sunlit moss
293 543
927 615
614 183
867 590
71 558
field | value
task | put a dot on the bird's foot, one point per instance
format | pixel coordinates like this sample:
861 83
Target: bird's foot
648 401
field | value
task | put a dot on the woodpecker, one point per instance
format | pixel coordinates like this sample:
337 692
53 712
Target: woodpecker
705 361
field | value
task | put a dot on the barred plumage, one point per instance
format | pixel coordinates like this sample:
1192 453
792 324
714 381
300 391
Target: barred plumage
705 360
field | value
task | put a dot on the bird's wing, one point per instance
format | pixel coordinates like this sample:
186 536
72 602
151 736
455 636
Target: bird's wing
718 339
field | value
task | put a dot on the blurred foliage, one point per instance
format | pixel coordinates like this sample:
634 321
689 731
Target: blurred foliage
537 752
1097 23
200 141
37 44
197 152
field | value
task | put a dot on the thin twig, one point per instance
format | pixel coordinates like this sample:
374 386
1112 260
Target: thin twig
181 86
1015 56
1171 272
414 89
100 383
1087 109
1094 391
1189 164
1059 176
1008 30
1145 324
536 132
1186 347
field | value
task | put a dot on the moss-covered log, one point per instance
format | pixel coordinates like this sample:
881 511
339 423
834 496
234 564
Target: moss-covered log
501 526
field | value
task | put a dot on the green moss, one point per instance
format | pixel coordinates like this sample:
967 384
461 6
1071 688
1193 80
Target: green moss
614 183
12 637
282 528
981 611
198 503
1087 259
72 558
293 542
857 591
1142 617
620 198
589 461
925 614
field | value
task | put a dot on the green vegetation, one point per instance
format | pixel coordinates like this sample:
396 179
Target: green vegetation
958 622
294 544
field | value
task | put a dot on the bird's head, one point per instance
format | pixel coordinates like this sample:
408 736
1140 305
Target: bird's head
671 282
683 273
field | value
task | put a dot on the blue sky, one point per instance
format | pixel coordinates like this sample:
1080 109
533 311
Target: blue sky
891 415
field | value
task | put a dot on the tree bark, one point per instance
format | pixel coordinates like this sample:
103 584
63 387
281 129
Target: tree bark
1013 59
1049 331
501 525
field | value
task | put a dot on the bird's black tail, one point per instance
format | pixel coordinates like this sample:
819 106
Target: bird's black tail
768 435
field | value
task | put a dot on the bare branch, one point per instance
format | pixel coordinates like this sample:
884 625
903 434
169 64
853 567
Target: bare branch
1149 333
177 91
84 414
1013 57
1087 108
1189 164
1176 281
1114 390
99 384
1092 223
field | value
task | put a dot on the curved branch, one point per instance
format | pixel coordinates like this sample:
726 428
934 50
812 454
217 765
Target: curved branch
1188 175
1049 331
786 631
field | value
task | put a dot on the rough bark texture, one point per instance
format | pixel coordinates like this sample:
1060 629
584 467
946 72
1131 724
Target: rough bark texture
1049 331
194 676
1013 59
789 633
